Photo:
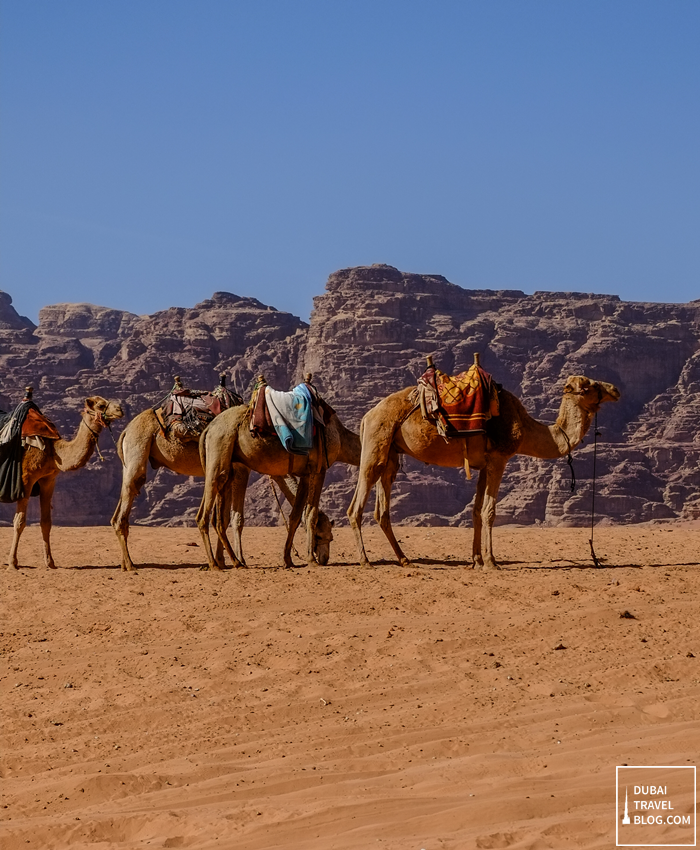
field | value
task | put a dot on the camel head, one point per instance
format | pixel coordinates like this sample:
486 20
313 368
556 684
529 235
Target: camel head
324 536
591 394
99 412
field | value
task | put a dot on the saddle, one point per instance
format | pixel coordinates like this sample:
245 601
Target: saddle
185 413
298 417
458 405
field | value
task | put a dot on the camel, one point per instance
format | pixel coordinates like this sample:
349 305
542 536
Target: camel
143 441
41 468
227 440
395 426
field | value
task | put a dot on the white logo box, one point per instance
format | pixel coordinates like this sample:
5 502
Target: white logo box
619 828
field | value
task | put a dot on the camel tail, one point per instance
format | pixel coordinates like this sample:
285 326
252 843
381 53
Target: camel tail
203 450
120 449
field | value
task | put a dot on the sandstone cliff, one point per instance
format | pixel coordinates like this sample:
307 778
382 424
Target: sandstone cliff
368 336
372 328
81 349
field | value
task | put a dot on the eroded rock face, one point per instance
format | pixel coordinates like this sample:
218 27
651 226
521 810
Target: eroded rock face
82 349
369 335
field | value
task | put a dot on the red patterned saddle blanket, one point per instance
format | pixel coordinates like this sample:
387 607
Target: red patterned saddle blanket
459 404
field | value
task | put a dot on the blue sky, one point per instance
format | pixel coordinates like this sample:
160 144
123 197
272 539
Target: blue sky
155 151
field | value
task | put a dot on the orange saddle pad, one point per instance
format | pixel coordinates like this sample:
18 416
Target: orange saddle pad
37 425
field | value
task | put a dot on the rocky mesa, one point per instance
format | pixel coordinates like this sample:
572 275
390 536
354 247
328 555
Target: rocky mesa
368 336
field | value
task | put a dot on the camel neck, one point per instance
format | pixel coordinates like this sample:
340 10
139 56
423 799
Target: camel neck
557 440
75 453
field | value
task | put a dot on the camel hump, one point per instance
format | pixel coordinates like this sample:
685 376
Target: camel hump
390 411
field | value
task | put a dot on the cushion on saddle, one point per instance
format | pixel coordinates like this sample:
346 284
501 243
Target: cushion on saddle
459 404
294 416
192 410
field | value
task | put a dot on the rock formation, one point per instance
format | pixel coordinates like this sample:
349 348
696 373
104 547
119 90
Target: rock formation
369 334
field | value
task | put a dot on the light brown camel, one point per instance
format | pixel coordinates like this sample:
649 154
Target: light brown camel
143 442
227 440
391 429
41 467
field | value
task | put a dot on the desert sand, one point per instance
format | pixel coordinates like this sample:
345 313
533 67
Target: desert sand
431 706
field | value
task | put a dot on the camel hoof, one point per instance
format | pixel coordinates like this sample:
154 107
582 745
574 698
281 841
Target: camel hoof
490 565
405 562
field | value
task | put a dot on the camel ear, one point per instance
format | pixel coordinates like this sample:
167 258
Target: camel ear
332 523
89 403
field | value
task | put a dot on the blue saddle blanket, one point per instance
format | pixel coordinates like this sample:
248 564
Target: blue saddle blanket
292 418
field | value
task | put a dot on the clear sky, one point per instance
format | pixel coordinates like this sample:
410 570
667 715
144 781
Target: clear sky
155 151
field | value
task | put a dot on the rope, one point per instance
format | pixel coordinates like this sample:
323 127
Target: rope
96 435
596 434
111 434
569 459
279 508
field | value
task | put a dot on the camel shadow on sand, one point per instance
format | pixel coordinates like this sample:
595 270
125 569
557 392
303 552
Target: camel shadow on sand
117 567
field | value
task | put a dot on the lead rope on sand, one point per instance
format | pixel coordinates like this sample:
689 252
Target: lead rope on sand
279 508
596 434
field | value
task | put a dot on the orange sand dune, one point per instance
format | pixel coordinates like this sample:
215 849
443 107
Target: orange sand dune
334 707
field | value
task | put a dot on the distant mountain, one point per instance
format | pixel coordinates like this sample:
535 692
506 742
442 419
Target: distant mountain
368 336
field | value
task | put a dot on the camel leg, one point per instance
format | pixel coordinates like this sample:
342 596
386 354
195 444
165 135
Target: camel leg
288 486
135 453
295 517
212 491
372 463
494 473
311 514
19 523
217 468
383 505
477 557
219 511
46 487
239 485
232 495
365 482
